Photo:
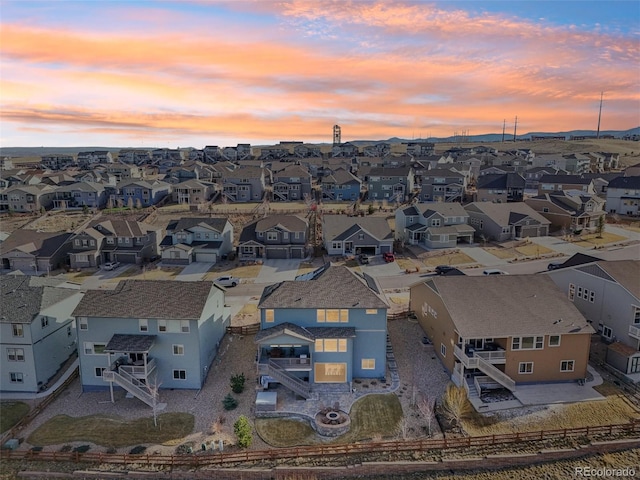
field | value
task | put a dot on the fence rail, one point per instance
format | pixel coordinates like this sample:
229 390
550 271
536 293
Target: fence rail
244 329
205 459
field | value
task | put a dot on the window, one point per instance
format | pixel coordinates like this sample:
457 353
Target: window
178 349
592 296
525 368
269 315
179 374
99 371
331 345
361 236
607 332
17 330
320 315
84 323
636 315
554 340
91 348
572 291
435 222
368 363
443 350
567 365
336 245
162 325
527 343
184 326
143 325
272 235
15 354
69 331
371 311
16 377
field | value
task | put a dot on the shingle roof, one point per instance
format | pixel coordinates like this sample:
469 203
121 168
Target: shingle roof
446 209
290 222
626 273
336 287
569 179
23 297
147 299
336 226
123 228
186 223
625 182
508 305
130 343
503 213
41 244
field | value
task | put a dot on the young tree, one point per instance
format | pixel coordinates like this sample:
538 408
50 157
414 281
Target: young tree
600 226
242 429
138 204
130 203
153 387
426 407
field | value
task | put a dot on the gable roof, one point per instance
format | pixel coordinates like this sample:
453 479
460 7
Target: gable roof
508 305
40 244
292 223
24 297
122 228
569 179
446 209
625 272
625 182
501 180
162 299
339 226
336 287
507 213
187 223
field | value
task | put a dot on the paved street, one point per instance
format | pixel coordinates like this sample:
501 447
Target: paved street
274 271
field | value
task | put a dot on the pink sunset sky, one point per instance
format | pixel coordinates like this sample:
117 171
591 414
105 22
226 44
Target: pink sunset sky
159 73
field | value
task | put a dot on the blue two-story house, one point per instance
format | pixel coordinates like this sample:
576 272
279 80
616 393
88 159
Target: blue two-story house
329 329
340 185
149 333
141 192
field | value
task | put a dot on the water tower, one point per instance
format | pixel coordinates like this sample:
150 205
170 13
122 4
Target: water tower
337 135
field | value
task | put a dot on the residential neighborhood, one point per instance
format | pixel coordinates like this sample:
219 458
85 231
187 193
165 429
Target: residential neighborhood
151 283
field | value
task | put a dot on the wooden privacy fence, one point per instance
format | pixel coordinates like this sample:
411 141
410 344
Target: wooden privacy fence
230 458
244 329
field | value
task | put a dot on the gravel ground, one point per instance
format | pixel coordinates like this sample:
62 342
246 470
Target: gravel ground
417 364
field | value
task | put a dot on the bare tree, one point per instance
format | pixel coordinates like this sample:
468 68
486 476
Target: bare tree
130 203
426 407
153 387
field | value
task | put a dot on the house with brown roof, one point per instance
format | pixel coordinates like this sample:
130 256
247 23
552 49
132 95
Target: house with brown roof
197 240
328 330
33 251
149 332
571 210
37 335
506 221
291 183
505 330
274 236
29 198
433 225
608 295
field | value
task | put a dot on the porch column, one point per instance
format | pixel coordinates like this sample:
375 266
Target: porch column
110 383
144 359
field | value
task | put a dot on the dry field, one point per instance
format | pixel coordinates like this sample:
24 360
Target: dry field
229 268
136 273
530 250
457 258
407 264
593 240
59 222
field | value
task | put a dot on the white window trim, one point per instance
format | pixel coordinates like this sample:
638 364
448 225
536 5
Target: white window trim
83 323
520 365
573 366
178 377
443 349
179 348
559 341
269 315
143 325
368 364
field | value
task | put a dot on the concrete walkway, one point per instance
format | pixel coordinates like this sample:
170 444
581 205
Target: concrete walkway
194 271
274 271
547 394
483 257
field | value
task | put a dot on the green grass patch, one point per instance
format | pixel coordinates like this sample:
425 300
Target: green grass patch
373 416
112 431
11 413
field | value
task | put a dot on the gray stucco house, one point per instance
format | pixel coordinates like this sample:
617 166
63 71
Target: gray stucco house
291 183
330 329
608 295
197 240
623 196
37 331
343 235
390 184
506 221
155 332
33 251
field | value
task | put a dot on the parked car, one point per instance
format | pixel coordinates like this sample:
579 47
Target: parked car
364 258
388 257
442 269
110 265
554 265
494 271
227 281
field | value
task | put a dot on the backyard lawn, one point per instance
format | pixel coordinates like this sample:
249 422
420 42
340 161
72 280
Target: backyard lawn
11 413
592 239
242 272
372 416
112 431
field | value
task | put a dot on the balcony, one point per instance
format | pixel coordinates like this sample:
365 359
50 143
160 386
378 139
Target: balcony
136 370
495 357
290 364
634 332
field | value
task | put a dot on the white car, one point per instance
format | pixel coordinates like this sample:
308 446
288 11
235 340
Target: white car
227 281
110 265
494 271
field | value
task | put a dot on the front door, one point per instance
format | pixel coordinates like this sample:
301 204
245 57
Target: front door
348 247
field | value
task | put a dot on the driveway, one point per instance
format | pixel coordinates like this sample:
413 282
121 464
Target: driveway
274 271
99 279
194 271
379 268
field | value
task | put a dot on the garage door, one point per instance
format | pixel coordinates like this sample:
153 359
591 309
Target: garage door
297 253
367 250
385 248
206 257
276 253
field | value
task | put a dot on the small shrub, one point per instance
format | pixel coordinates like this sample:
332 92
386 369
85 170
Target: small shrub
137 450
237 383
36 449
242 429
112 450
82 448
229 402
184 449
455 404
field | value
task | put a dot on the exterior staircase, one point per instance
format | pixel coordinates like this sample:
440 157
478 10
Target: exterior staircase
293 383
132 385
486 368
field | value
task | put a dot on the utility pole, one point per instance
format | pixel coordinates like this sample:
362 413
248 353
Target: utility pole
599 115
515 129
504 124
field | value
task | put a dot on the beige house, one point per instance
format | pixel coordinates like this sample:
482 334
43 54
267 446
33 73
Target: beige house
503 330
572 211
